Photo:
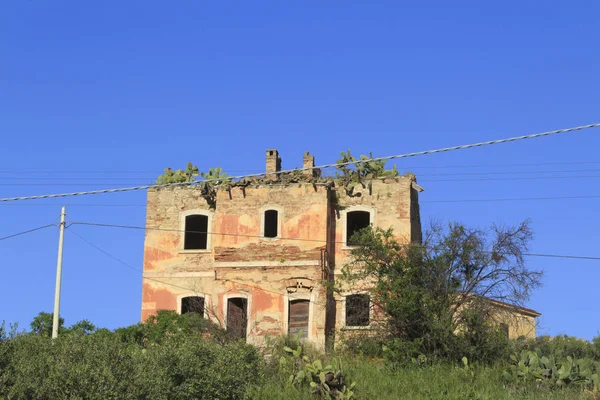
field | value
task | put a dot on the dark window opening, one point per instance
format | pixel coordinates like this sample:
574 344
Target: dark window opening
196 232
355 221
192 304
271 222
358 308
271 153
237 317
298 318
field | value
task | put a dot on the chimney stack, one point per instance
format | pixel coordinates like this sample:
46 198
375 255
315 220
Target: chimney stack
308 161
273 162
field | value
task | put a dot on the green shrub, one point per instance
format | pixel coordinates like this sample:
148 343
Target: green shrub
363 345
168 324
70 367
168 358
561 346
533 367
193 369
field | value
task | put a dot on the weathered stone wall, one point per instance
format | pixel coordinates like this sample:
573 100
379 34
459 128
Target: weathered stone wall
163 247
519 323
268 272
391 204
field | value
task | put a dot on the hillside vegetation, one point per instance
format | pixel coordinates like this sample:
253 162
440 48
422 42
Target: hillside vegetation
184 357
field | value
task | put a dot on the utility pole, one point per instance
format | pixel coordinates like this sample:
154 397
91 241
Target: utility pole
61 236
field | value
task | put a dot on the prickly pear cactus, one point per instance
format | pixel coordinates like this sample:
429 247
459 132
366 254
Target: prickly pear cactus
216 176
178 176
361 171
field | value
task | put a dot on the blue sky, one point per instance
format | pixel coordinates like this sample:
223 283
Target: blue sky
107 94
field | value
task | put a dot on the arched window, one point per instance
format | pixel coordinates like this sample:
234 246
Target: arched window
355 221
192 304
196 232
271 224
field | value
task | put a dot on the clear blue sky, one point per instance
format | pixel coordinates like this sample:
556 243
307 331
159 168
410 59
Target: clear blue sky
103 94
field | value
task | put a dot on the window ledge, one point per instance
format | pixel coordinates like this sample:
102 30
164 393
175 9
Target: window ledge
346 247
269 239
359 328
202 251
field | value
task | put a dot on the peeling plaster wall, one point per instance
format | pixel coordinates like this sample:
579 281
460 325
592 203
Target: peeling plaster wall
269 272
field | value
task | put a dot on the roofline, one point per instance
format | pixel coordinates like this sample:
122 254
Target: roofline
522 310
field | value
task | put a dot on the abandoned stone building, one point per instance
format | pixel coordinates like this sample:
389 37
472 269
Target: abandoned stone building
253 257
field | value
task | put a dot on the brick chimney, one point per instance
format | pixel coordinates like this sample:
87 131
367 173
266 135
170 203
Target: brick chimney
308 161
273 162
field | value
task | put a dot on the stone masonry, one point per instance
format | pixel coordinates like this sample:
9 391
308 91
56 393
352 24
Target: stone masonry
266 249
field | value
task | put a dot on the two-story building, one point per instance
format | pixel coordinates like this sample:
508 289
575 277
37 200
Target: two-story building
254 257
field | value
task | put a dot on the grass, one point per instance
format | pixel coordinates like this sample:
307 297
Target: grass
374 380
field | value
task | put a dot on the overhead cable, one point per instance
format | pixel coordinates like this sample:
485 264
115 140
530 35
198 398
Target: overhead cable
289 239
419 153
582 197
163 282
26 232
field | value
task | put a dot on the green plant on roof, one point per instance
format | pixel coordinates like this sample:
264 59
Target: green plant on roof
178 176
361 171
216 176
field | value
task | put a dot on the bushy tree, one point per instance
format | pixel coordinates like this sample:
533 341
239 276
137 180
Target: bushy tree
42 324
432 291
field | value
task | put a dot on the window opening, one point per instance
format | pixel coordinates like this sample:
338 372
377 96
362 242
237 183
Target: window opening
192 304
271 222
355 221
357 310
196 232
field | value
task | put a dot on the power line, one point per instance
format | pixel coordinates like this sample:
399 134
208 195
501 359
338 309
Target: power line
532 178
512 172
501 165
105 252
82 172
561 256
420 201
407 168
143 228
296 239
511 199
529 178
419 153
168 283
154 172
25 232
59 181
69 205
